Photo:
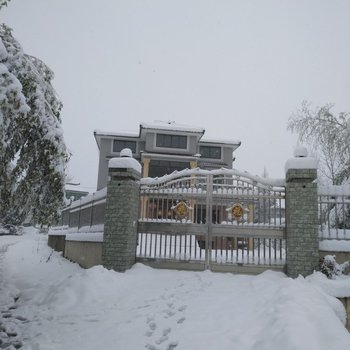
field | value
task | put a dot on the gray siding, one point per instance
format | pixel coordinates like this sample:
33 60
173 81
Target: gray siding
105 151
227 156
149 144
192 143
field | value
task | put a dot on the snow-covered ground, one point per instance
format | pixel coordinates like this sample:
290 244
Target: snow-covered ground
53 304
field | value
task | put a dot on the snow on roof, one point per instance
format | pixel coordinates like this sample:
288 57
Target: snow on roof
219 141
113 134
171 126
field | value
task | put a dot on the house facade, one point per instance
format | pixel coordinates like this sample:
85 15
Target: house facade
163 147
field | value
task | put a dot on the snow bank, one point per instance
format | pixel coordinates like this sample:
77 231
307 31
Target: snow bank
71 308
85 237
334 245
84 234
339 288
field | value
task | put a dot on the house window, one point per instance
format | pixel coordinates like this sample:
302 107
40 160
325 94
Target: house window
162 167
118 145
210 152
171 141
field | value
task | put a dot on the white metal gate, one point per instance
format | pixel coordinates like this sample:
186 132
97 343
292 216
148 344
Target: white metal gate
223 220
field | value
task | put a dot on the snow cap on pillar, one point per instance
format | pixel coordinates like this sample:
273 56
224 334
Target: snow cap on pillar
301 160
300 152
125 161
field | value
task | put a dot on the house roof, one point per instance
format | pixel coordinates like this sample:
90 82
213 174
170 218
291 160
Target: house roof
172 126
98 134
233 142
166 126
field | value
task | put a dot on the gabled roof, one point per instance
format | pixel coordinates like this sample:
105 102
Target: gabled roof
218 141
167 127
98 134
172 126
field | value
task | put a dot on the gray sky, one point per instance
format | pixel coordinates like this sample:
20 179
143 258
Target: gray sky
238 68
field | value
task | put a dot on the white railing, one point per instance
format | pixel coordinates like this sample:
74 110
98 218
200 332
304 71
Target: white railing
207 229
214 192
334 212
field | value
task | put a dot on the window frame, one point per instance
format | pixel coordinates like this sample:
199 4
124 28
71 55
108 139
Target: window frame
209 154
162 164
172 144
133 150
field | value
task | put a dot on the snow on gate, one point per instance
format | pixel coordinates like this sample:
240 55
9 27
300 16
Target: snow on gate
220 219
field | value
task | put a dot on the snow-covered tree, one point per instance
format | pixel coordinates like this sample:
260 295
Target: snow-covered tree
33 154
4 3
329 137
330 267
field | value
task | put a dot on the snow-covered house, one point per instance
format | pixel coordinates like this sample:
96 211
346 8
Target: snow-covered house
162 147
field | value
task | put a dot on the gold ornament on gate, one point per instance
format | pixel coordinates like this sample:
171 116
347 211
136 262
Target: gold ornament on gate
181 210
237 211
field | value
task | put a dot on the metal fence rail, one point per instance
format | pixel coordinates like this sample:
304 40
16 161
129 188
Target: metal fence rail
87 211
212 218
223 250
334 212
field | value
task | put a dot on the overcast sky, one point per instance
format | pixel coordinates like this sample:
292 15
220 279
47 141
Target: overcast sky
238 68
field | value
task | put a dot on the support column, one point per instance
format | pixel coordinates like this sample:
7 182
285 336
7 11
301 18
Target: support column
193 164
301 216
121 215
145 162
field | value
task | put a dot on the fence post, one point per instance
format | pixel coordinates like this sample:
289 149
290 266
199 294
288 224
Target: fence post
121 215
301 215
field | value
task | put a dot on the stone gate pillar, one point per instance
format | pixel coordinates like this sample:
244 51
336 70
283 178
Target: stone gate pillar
301 214
121 213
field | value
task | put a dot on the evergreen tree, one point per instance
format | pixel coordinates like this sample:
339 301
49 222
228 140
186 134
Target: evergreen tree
33 155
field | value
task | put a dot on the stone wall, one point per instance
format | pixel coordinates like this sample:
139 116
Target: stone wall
122 213
57 242
302 222
86 254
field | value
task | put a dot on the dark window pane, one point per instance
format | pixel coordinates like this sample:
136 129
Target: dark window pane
159 168
171 141
210 152
118 145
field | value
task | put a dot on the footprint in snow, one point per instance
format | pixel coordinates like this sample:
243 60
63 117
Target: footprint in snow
182 308
151 347
169 313
181 320
172 345
152 326
164 336
162 339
